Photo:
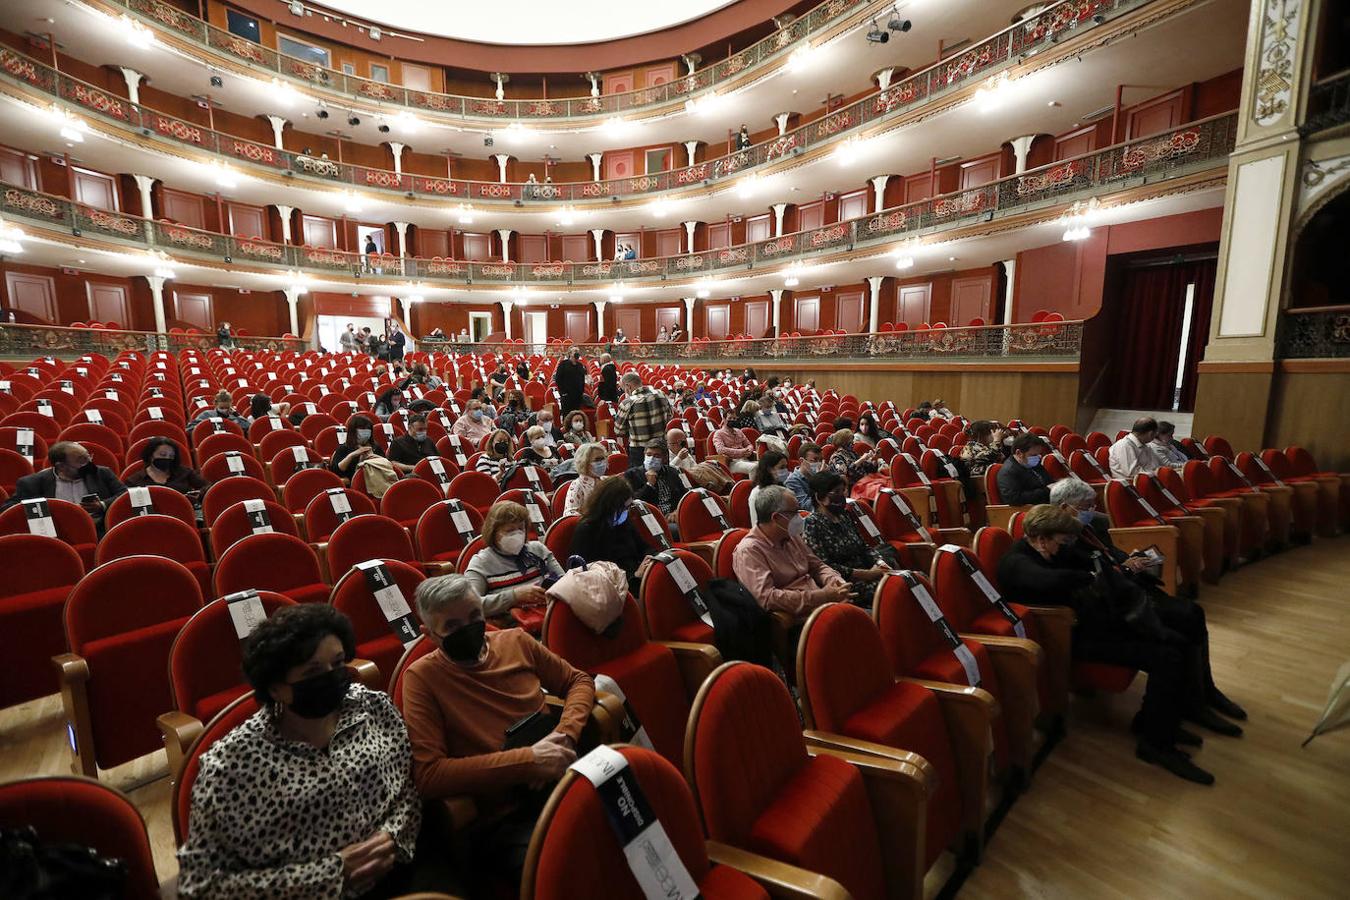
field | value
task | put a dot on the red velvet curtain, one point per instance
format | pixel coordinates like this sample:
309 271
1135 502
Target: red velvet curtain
1144 365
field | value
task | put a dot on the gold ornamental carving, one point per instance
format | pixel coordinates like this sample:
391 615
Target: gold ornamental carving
1275 78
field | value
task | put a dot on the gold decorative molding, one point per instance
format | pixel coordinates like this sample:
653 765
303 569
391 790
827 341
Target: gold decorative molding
1279 43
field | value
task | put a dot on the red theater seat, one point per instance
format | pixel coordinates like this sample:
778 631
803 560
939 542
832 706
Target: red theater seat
368 537
164 501
32 602
73 525
164 536
271 562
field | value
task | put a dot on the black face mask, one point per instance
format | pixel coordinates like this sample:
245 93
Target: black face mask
320 695
501 447
164 465
465 644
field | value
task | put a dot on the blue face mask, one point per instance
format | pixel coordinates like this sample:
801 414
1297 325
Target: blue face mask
1086 516
652 463
1034 460
780 475
599 467
621 516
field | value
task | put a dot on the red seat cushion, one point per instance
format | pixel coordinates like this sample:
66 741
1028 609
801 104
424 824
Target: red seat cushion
821 820
651 681
725 883
307 593
696 632
205 709
909 716
991 621
944 666
129 687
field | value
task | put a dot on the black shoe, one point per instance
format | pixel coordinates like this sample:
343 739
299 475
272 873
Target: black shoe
1222 704
1188 738
1174 761
1208 718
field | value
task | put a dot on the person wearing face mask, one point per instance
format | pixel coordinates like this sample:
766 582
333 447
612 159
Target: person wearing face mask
164 468
832 535
799 480
474 424
642 416
390 402
778 568
406 450
608 531
767 418
312 795
544 419
513 412
1022 480
1047 565
223 409
772 468
732 445
511 571
869 432
570 378
537 450
656 482
984 447
576 432
72 476
495 460
459 702
591 465
608 388
359 446
680 453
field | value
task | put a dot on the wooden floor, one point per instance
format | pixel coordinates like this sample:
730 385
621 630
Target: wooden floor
1096 823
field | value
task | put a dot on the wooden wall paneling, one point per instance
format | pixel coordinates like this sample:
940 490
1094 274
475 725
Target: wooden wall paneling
659 75
757 318
433 242
418 78
95 189
719 235
912 302
717 320
668 242
319 232
577 247
181 207
848 312
619 164
854 204
970 298
477 247
108 303
618 82
32 294
629 319
806 314
246 220
1156 115
17 167
811 215
758 228
918 187
1076 143
578 325
193 308
532 248
669 316
975 172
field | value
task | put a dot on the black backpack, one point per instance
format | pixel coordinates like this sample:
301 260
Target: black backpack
32 870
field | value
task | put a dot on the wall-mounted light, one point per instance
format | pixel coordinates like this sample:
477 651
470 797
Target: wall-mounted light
72 127
905 262
464 212
1078 219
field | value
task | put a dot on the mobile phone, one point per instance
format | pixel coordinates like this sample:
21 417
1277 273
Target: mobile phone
529 730
89 498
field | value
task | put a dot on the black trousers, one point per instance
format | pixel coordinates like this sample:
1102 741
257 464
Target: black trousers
1179 679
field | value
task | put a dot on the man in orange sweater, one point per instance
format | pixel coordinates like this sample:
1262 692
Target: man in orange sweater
460 700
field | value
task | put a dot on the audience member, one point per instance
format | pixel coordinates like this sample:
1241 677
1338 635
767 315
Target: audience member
846 461
662 335
577 432
474 425
511 572
1134 452
732 445
359 447
71 476
544 419
620 337
347 340
460 701
656 482
681 456
313 794
798 481
261 405
388 403
609 379
408 449
591 464
772 468
833 536
767 418
642 416
983 447
1166 447
496 459
165 469
869 432
537 450
607 531
223 409
513 413
225 336
1022 480
570 378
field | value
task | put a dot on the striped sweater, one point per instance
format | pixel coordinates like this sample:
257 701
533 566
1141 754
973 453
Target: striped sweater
496 576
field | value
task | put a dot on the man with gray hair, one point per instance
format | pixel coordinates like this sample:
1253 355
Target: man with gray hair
642 416
462 702
776 565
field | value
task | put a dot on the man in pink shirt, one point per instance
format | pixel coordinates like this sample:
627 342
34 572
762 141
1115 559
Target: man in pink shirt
776 565
733 445
474 425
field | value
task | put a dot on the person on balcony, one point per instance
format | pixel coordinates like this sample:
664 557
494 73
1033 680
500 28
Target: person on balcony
1022 480
225 336
743 138
1134 452
662 335
676 334
619 336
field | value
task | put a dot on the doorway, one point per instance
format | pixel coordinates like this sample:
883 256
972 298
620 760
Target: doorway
480 326
536 331
330 329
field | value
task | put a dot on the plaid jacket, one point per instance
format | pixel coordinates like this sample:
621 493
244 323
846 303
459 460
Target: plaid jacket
643 416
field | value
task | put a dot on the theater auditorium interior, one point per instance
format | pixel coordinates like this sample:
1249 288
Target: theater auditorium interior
699 448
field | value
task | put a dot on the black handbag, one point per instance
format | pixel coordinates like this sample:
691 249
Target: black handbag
33 870
741 627
1124 602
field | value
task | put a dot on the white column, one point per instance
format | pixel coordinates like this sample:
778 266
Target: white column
884 77
598 234
397 150
1021 147
407 310
782 119
594 79
157 301
689 236
285 213
689 317
278 125
505 234
143 185
691 61
402 229
691 147
506 317
133 80
501 81
600 318
777 295
778 210
501 159
879 192
1010 269
874 302
293 301
595 159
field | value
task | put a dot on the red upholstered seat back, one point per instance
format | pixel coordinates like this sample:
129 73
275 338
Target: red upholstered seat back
164 501
1279 464
73 525
420 648
647 672
406 500
521 496
351 596
273 442
271 562
991 484
233 524
215 444
725 551
367 537
165 536
121 618
907 637
1216 445
1200 482
1301 462
669 616
696 522
1124 509
305 485
758 788
320 518
437 538
894 524
903 471
229 491
558 538
68 809
222 724
476 489
738 513
957 595
1080 466
205 658
32 600
990 545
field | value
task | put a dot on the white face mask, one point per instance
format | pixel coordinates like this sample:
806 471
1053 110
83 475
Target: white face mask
579 425
512 543
795 525
539 443
812 467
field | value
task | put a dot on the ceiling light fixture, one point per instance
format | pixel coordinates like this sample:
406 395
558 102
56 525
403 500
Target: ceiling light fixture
223 175
748 185
802 58
876 36
993 94
352 202
10 236
282 92
1078 219
465 214
165 272
703 293
136 34
407 121
73 128
905 262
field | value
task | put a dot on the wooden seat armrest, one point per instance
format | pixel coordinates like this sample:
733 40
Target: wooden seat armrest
922 551
704 550
438 568
368 674
71 668
958 536
1016 660
696 662
969 713
179 731
779 879
1166 537
73 674
827 740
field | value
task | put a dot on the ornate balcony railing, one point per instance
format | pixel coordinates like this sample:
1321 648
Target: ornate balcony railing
1328 103
984 59
781 43
1038 342
18 341
1315 333
1195 147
